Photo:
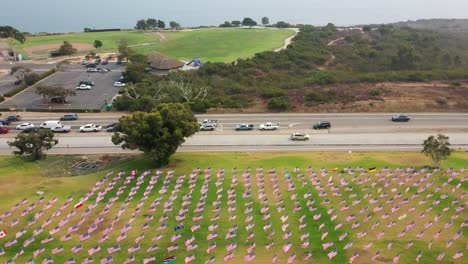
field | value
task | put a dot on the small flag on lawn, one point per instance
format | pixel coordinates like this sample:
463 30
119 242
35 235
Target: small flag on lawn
373 169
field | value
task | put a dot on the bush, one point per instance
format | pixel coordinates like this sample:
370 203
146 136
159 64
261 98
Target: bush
273 92
32 78
374 93
18 89
2 98
278 104
199 107
456 84
321 96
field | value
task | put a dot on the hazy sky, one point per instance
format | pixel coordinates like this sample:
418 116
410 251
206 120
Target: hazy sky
58 15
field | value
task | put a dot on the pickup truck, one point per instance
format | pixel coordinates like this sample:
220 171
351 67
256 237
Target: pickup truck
90 128
269 126
61 129
242 127
209 122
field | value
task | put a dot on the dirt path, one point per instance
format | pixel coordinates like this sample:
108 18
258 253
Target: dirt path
333 42
78 46
162 37
288 40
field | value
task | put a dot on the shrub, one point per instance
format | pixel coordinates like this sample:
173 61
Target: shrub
456 84
374 93
273 92
328 96
278 104
2 98
199 107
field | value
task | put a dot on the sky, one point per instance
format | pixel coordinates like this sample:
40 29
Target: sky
67 16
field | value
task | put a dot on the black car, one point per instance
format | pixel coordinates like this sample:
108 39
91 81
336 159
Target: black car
69 117
14 118
322 125
30 129
400 118
5 121
105 62
59 100
18 82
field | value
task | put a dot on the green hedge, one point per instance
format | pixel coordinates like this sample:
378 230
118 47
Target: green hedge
23 86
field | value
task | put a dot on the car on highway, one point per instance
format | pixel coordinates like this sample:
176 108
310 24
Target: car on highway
119 84
299 136
50 124
4 130
14 118
103 70
207 127
30 129
400 118
91 70
322 125
90 128
269 126
209 122
244 127
83 87
5 122
24 126
110 127
61 129
69 117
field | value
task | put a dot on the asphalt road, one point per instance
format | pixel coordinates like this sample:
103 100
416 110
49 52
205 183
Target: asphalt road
350 132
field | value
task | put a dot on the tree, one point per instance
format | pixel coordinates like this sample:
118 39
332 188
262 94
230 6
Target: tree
438 149
236 23
161 24
174 25
34 143
124 51
225 24
151 23
186 89
282 24
97 44
366 28
67 49
10 32
55 92
265 21
249 22
158 133
141 25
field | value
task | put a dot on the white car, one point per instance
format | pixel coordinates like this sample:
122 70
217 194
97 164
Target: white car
299 136
119 84
83 87
92 70
90 128
269 126
24 126
61 129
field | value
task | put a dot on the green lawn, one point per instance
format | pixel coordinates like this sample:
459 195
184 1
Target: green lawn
215 45
20 179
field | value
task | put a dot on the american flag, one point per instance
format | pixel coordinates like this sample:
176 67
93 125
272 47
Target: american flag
231 246
28 241
19 253
458 255
130 259
149 259
48 260
47 240
190 258
133 249
84 237
57 250
287 246
21 233
291 258
76 249
94 250
121 237
106 260
70 261
152 248
66 237
229 256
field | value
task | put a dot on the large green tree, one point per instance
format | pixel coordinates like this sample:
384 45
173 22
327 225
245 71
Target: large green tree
34 143
249 22
97 44
174 25
437 148
11 32
265 21
55 92
141 25
67 49
158 133
124 50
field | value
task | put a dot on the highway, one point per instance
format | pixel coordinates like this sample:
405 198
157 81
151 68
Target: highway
349 132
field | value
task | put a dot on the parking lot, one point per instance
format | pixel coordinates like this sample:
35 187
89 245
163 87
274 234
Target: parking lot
69 77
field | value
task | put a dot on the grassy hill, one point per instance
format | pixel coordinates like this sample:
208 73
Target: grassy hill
297 173
215 45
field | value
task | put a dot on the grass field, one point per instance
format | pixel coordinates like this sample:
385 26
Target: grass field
216 45
20 180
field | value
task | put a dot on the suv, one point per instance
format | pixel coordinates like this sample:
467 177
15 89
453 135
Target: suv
322 125
14 118
299 136
400 118
207 127
69 117
5 122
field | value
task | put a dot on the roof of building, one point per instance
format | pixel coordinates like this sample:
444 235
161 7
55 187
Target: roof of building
160 61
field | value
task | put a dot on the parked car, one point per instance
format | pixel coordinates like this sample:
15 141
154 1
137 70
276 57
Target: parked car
4 130
97 61
105 62
269 126
299 136
119 62
18 82
322 125
85 62
61 129
207 127
83 87
5 122
14 118
24 126
243 127
400 118
69 117
90 128
91 70
91 65
90 83
30 129
119 84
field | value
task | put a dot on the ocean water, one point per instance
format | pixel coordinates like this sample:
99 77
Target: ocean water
72 16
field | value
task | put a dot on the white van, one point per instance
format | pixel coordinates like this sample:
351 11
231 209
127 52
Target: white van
51 124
